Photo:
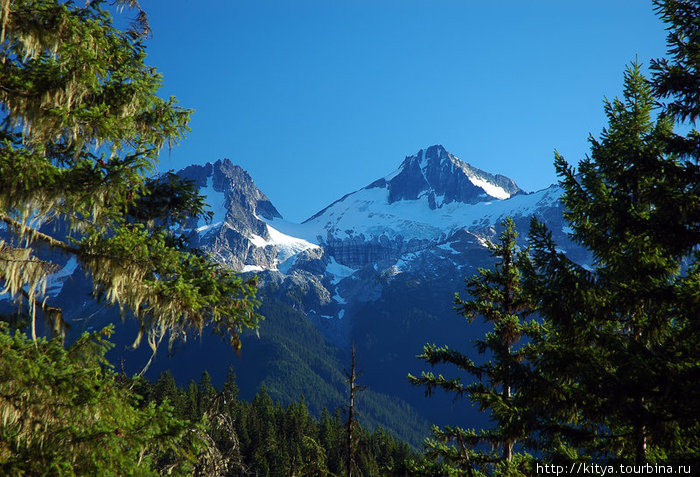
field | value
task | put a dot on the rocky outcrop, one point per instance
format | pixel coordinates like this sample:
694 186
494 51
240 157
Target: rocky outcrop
358 251
237 235
424 223
445 179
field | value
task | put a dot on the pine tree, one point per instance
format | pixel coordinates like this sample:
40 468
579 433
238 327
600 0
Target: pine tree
618 363
82 130
497 296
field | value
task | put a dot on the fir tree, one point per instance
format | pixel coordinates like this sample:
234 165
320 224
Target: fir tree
65 412
618 364
82 130
497 296
678 78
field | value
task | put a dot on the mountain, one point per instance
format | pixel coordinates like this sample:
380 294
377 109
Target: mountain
237 234
429 219
377 268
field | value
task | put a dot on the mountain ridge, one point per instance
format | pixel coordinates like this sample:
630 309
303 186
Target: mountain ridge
430 165
378 267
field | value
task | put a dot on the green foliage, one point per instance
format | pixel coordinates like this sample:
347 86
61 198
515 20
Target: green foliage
292 358
263 438
677 78
618 362
64 412
496 295
82 130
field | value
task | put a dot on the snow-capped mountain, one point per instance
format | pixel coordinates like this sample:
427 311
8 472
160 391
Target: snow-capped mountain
378 267
430 219
238 234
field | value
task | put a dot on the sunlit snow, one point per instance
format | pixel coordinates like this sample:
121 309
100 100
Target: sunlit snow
216 203
252 268
287 246
55 281
368 212
491 189
205 229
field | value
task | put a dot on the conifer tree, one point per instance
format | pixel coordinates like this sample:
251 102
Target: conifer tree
618 364
351 375
64 412
81 132
498 297
678 78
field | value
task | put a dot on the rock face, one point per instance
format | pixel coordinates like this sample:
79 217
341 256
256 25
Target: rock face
444 179
243 199
237 234
358 251
429 220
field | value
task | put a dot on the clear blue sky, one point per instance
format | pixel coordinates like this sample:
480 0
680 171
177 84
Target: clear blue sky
317 98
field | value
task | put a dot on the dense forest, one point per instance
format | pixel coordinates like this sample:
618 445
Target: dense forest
583 365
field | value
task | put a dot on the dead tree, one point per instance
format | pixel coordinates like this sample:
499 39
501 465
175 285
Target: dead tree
352 376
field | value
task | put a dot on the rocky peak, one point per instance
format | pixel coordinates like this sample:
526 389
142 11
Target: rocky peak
237 235
232 195
443 178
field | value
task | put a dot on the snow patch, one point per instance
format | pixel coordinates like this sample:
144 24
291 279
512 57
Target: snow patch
339 299
482 241
216 201
287 246
251 268
491 189
258 241
338 271
284 267
448 247
55 281
205 229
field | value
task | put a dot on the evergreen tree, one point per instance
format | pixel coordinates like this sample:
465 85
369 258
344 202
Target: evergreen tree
498 296
618 364
65 412
82 130
206 394
678 78
166 388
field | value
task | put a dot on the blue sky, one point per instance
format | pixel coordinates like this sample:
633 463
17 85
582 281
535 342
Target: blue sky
317 98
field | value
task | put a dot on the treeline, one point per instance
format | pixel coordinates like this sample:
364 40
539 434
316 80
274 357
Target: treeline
263 438
65 411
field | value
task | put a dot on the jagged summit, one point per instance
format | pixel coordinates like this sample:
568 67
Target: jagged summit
443 178
431 197
238 235
231 192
